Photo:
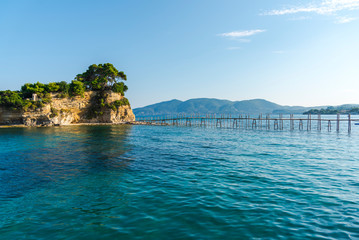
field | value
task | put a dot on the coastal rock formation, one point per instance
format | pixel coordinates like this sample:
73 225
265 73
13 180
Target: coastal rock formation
70 110
10 116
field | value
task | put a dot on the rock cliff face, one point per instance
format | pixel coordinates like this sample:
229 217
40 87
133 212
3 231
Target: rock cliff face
65 111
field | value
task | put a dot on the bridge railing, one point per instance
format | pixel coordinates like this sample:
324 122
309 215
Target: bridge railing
261 121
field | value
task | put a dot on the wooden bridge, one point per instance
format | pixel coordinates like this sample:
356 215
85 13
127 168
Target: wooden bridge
278 122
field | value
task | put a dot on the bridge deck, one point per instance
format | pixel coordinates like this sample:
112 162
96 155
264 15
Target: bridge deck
246 121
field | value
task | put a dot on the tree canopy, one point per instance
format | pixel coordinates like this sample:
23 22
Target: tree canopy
11 99
103 77
77 88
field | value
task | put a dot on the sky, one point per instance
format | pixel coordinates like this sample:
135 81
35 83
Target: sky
291 52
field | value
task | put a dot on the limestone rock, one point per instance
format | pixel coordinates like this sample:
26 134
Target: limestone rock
65 111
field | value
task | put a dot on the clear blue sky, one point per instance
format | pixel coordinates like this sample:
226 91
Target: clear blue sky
290 52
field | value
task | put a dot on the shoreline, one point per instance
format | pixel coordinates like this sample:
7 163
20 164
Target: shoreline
79 124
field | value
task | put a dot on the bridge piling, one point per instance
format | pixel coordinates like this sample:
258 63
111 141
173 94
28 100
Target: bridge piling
291 122
319 124
300 125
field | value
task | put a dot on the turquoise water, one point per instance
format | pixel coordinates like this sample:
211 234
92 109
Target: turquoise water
135 182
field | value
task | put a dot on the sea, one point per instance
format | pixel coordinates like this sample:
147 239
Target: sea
177 182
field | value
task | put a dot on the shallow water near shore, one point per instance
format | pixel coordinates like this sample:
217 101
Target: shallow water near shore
166 182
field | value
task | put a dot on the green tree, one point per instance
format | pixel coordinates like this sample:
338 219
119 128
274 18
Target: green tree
64 88
101 77
29 88
11 99
77 88
52 87
119 87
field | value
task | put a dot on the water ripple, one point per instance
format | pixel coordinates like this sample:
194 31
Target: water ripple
135 182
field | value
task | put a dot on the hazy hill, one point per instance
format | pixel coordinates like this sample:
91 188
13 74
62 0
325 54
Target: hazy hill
218 106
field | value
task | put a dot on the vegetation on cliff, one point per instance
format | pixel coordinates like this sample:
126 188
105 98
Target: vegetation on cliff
99 78
103 77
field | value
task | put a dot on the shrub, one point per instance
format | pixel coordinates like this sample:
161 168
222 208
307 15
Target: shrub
63 95
11 99
52 87
64 87
77 88
54 112
124 101
118 103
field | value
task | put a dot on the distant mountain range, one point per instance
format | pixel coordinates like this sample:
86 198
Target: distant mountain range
210 105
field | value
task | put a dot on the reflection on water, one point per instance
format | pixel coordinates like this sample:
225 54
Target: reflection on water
41 155
105 146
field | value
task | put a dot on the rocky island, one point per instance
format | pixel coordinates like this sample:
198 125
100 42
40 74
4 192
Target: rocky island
95 96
